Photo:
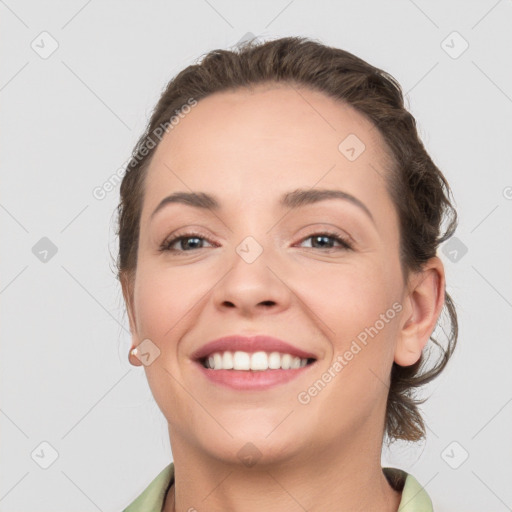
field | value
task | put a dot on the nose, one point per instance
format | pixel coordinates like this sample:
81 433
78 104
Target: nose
253 287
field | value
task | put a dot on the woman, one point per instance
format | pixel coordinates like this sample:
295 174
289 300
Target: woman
278 227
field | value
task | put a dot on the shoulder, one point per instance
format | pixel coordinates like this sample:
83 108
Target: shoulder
414 495
153 496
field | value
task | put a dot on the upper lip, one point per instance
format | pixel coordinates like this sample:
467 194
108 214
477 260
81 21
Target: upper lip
250 344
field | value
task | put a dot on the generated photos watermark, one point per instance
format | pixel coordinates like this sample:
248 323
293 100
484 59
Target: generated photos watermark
342 360
100 192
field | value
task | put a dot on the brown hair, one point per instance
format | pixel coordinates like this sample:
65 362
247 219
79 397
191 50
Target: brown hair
416 185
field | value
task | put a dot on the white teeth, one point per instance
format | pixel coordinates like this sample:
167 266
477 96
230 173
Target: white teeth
227 361
256 361
259 361
295 362
286 361
241 361
274 361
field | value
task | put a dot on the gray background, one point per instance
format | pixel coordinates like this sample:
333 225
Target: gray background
70 120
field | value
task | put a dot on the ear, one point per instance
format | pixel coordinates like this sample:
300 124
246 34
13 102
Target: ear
127 285
423 305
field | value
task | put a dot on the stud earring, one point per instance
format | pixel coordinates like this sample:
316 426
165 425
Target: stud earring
132 356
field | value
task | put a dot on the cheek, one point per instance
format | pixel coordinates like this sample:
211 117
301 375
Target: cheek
359 309
162 299
349 299
352 384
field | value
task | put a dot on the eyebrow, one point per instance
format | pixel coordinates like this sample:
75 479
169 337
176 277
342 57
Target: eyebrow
294 199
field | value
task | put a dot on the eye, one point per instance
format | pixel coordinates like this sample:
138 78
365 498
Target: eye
168 244
317 238
321 238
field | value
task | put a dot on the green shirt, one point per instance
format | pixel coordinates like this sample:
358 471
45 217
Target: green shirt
414 497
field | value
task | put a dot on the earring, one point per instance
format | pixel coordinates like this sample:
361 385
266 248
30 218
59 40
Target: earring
132 356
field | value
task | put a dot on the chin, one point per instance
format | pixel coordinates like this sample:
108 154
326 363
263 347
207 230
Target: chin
249 447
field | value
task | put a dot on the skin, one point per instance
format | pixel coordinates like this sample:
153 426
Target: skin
247 148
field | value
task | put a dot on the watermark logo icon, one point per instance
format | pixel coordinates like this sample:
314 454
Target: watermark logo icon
147 352
44 45
454 45
351 147
249 249
249 454
248 36
44 250
454 455
454 249
44 455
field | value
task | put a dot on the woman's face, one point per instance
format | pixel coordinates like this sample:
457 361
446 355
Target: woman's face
258 266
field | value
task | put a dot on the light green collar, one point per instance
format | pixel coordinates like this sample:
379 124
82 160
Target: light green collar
414 496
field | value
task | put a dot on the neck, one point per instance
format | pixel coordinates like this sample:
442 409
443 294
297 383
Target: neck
338 479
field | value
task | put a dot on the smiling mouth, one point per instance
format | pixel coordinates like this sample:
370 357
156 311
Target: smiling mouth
254 361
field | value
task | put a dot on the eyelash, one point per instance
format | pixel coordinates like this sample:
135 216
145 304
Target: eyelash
166 245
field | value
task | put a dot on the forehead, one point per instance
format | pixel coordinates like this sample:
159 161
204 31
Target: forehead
246 144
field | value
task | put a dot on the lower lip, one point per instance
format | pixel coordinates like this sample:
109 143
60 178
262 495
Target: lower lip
250 379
